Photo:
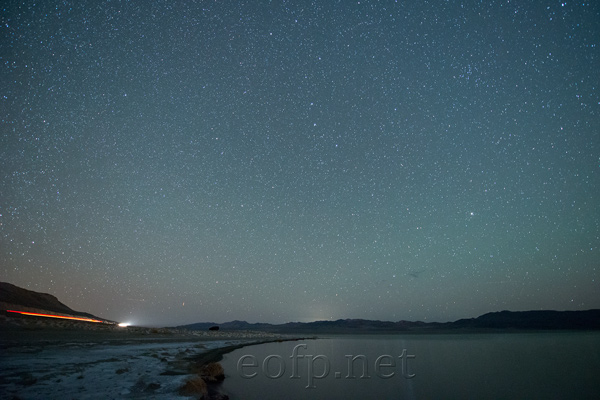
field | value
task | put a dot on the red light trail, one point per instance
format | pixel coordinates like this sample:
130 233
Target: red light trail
54 316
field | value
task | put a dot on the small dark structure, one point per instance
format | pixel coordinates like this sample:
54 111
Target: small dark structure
213 328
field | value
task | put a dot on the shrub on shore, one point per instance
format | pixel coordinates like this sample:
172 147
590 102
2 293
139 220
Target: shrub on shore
212 372
198 385
194 387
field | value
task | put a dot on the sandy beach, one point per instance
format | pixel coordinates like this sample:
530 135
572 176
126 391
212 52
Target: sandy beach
63 360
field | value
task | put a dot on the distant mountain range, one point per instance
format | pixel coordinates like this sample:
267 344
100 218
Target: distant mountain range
503 320
18 299
15 298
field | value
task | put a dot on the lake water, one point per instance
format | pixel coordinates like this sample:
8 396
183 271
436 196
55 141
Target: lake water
552 365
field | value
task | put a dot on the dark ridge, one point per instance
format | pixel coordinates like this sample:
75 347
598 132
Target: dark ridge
12 294
502 320
541 319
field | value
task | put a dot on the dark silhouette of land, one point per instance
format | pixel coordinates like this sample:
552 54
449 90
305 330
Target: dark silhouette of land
490 322
16 298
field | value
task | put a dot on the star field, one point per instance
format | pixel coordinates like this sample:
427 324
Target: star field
174 162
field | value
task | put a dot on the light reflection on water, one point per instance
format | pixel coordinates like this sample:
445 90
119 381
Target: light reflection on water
516 365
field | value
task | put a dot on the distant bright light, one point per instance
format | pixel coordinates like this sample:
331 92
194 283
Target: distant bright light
124 324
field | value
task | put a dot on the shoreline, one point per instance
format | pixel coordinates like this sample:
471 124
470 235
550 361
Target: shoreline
214 356
50 361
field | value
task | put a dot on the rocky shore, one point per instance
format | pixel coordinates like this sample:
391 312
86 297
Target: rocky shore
48 359
209 373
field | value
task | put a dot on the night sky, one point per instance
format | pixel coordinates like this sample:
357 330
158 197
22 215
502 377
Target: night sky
169 162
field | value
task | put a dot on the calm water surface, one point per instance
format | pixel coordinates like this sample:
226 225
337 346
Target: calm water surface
549 365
